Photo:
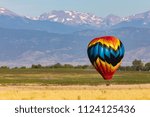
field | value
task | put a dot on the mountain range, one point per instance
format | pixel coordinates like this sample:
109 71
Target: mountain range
78 18
63 36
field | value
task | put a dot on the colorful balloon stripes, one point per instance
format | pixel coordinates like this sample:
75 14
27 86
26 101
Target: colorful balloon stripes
106 53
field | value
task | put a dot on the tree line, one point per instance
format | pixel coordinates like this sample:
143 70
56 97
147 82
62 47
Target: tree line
137 65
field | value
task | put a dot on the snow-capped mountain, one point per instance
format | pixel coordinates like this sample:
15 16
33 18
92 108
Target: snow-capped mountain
7 12
11 20
72 17
78 18
137 20
144 16
111 20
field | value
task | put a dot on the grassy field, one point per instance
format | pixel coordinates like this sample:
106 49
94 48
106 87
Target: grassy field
68 77
72 84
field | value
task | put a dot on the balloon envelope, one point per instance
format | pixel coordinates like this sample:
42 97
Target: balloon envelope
105 54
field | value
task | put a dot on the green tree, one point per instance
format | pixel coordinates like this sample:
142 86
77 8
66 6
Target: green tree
4 67
84 66
137 65
147 66
36 66
57 65
68 66
23 67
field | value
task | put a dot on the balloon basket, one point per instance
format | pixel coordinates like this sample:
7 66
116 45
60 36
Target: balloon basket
108 83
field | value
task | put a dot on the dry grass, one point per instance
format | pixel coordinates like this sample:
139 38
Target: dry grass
102 92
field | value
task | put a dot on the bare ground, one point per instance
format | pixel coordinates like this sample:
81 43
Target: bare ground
80 92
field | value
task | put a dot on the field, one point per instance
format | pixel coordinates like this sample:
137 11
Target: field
72 84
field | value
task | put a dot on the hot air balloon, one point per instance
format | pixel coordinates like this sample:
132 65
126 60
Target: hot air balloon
105 54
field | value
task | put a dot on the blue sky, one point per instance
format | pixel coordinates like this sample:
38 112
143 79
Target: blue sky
99 7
